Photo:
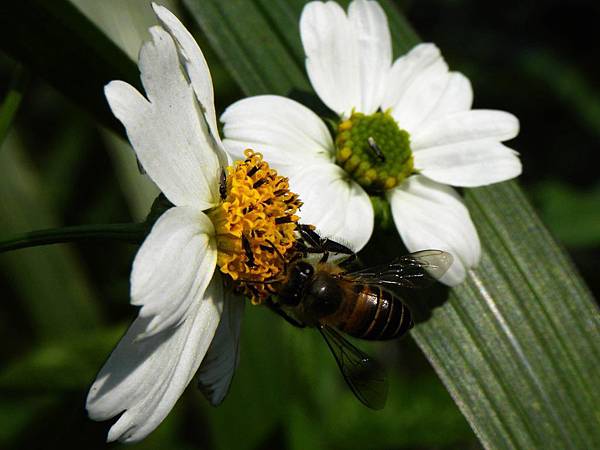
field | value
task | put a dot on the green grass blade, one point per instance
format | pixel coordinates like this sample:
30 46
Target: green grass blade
12 100
517 344
244 45
57 365
57 296
57 42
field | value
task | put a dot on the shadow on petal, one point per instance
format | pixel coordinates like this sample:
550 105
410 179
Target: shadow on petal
131 359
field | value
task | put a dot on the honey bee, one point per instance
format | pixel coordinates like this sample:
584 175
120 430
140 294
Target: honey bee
357 302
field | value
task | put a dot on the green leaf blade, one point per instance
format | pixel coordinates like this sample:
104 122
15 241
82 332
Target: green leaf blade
244 44
46 276
56 41
541 354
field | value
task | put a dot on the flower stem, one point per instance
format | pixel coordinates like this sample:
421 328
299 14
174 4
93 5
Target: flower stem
129 232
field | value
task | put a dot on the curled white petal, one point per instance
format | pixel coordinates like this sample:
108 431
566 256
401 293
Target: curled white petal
469 163
194 61
287 133
339 208
173 267
196 69
143 378
168 131
431 215
332 55
222 358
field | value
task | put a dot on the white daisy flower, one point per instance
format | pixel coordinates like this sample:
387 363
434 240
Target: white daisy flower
406 132
228 224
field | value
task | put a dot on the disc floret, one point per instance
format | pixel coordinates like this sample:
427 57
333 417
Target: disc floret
374 150
255 225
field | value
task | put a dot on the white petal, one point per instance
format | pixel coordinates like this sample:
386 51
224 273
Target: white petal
145 377
173 266
421 96
332 58
429 215
221 360
339 208
457 96
168 131
195 65
374 51
420 88
287 133
407 70
466 126
468 164
297 143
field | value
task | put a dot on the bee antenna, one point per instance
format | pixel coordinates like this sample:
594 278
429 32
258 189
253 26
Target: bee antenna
278 253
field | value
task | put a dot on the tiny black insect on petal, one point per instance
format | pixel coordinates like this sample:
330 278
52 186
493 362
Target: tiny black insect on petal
375 148
223 185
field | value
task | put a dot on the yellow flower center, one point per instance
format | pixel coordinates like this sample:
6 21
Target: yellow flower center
255 226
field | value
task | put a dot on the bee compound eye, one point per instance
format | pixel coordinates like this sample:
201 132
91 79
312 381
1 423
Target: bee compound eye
307 270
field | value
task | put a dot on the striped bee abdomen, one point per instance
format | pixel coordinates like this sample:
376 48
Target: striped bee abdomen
376 315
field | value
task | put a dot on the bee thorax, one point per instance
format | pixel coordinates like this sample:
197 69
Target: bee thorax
325 295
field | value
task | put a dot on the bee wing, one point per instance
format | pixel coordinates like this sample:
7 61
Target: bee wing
364 375
414 270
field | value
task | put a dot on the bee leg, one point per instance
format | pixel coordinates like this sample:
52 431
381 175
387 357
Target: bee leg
328 246
309 236
350 259
276 308
325 257
335 247
302 248
318 244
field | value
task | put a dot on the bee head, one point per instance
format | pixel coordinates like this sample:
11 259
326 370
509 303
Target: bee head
299 276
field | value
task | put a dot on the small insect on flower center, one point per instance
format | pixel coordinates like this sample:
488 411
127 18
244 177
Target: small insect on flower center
374 150
254 225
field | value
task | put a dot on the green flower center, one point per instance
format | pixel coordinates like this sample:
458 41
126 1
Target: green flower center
374 151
